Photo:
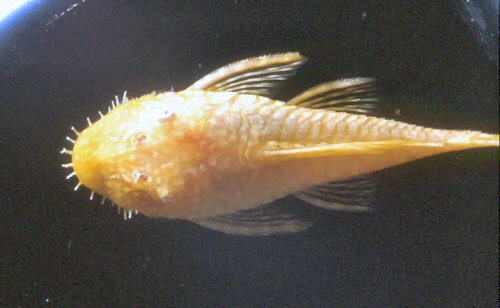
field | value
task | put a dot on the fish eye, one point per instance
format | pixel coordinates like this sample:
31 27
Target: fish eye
139 138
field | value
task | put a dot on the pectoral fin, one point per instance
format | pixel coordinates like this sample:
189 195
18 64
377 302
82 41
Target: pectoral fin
281 150
256 222
258 76
355 194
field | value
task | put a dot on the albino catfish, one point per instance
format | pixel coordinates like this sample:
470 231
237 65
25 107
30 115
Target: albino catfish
217 152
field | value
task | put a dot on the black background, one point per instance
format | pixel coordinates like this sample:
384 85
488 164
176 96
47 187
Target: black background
434 241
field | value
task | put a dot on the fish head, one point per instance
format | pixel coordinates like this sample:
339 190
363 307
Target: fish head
116 155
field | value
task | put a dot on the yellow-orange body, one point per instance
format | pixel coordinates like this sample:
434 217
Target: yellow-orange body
203 159
197 153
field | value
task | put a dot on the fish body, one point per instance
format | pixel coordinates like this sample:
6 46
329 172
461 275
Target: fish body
219 150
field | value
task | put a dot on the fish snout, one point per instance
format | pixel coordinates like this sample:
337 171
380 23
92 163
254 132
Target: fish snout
86 164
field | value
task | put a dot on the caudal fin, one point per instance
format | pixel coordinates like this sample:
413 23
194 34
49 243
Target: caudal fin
472 139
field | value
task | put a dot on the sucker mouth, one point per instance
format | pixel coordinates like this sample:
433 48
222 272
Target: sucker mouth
127 214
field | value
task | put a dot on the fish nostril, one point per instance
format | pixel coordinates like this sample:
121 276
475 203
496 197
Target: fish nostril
167 115
139 176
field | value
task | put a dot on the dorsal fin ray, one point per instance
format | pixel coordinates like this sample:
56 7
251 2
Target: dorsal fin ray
353 95
258 76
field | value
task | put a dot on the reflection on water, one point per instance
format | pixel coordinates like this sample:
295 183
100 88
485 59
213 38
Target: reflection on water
8 7
482 17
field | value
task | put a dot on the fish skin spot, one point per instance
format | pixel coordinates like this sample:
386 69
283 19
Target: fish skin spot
213 121
165 196
317 117
267 110
280 113
167 165
315 129
353 130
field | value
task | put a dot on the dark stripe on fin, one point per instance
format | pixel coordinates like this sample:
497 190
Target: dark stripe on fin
354 194
353 95
257 76
255 222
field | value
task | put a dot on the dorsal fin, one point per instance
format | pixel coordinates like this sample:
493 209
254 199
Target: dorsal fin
258 76
353 95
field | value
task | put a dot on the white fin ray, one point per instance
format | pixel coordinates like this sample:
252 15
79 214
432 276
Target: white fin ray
257 76
286 150
353 95
255 222
354 194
